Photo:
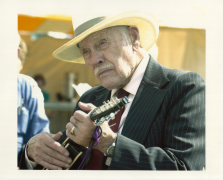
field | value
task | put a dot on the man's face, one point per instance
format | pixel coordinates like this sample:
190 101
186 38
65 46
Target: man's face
109 54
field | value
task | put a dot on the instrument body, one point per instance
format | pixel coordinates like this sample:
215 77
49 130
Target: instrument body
75 150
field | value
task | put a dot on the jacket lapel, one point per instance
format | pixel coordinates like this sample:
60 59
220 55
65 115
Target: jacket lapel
146 103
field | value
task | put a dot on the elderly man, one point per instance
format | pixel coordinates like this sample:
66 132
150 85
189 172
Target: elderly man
162 128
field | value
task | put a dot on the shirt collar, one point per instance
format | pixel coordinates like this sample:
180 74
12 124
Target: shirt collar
136 79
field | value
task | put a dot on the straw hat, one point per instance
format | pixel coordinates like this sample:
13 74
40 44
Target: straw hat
145 22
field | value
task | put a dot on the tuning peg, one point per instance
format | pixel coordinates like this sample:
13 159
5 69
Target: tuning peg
102 120
102 108
112 116
106 106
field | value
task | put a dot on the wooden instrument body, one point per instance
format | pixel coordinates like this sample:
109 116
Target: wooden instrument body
74 150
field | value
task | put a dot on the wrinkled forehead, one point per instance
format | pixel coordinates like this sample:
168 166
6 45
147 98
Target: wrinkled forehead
104 33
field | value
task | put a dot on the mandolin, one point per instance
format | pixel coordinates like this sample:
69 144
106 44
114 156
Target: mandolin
80 155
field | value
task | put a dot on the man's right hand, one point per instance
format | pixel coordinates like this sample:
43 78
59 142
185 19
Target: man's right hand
46 151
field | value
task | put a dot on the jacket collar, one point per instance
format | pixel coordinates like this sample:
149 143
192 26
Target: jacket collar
154 74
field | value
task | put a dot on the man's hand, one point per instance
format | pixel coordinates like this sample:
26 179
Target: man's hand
46 151
84 129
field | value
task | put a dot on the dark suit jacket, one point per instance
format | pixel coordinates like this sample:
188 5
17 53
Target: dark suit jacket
165 127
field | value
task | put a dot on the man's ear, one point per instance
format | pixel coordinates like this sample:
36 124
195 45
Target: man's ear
135 38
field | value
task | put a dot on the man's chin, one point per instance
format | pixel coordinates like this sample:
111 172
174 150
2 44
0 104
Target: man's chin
111 82
108 85
111 86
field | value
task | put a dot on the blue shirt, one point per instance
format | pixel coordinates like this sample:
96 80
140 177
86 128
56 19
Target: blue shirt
32 119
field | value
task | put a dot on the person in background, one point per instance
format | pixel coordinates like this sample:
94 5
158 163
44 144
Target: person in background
163 126
41 83
31 117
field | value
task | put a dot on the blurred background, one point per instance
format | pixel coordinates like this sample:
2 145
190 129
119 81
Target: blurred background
180 45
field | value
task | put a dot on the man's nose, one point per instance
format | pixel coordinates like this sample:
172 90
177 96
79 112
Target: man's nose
97 57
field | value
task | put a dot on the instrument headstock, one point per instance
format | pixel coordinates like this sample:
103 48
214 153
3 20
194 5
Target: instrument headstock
108 110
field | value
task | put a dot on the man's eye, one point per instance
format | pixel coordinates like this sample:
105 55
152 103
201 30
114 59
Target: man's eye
103 42
85 51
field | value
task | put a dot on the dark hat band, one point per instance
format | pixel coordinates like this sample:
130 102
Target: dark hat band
87 25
